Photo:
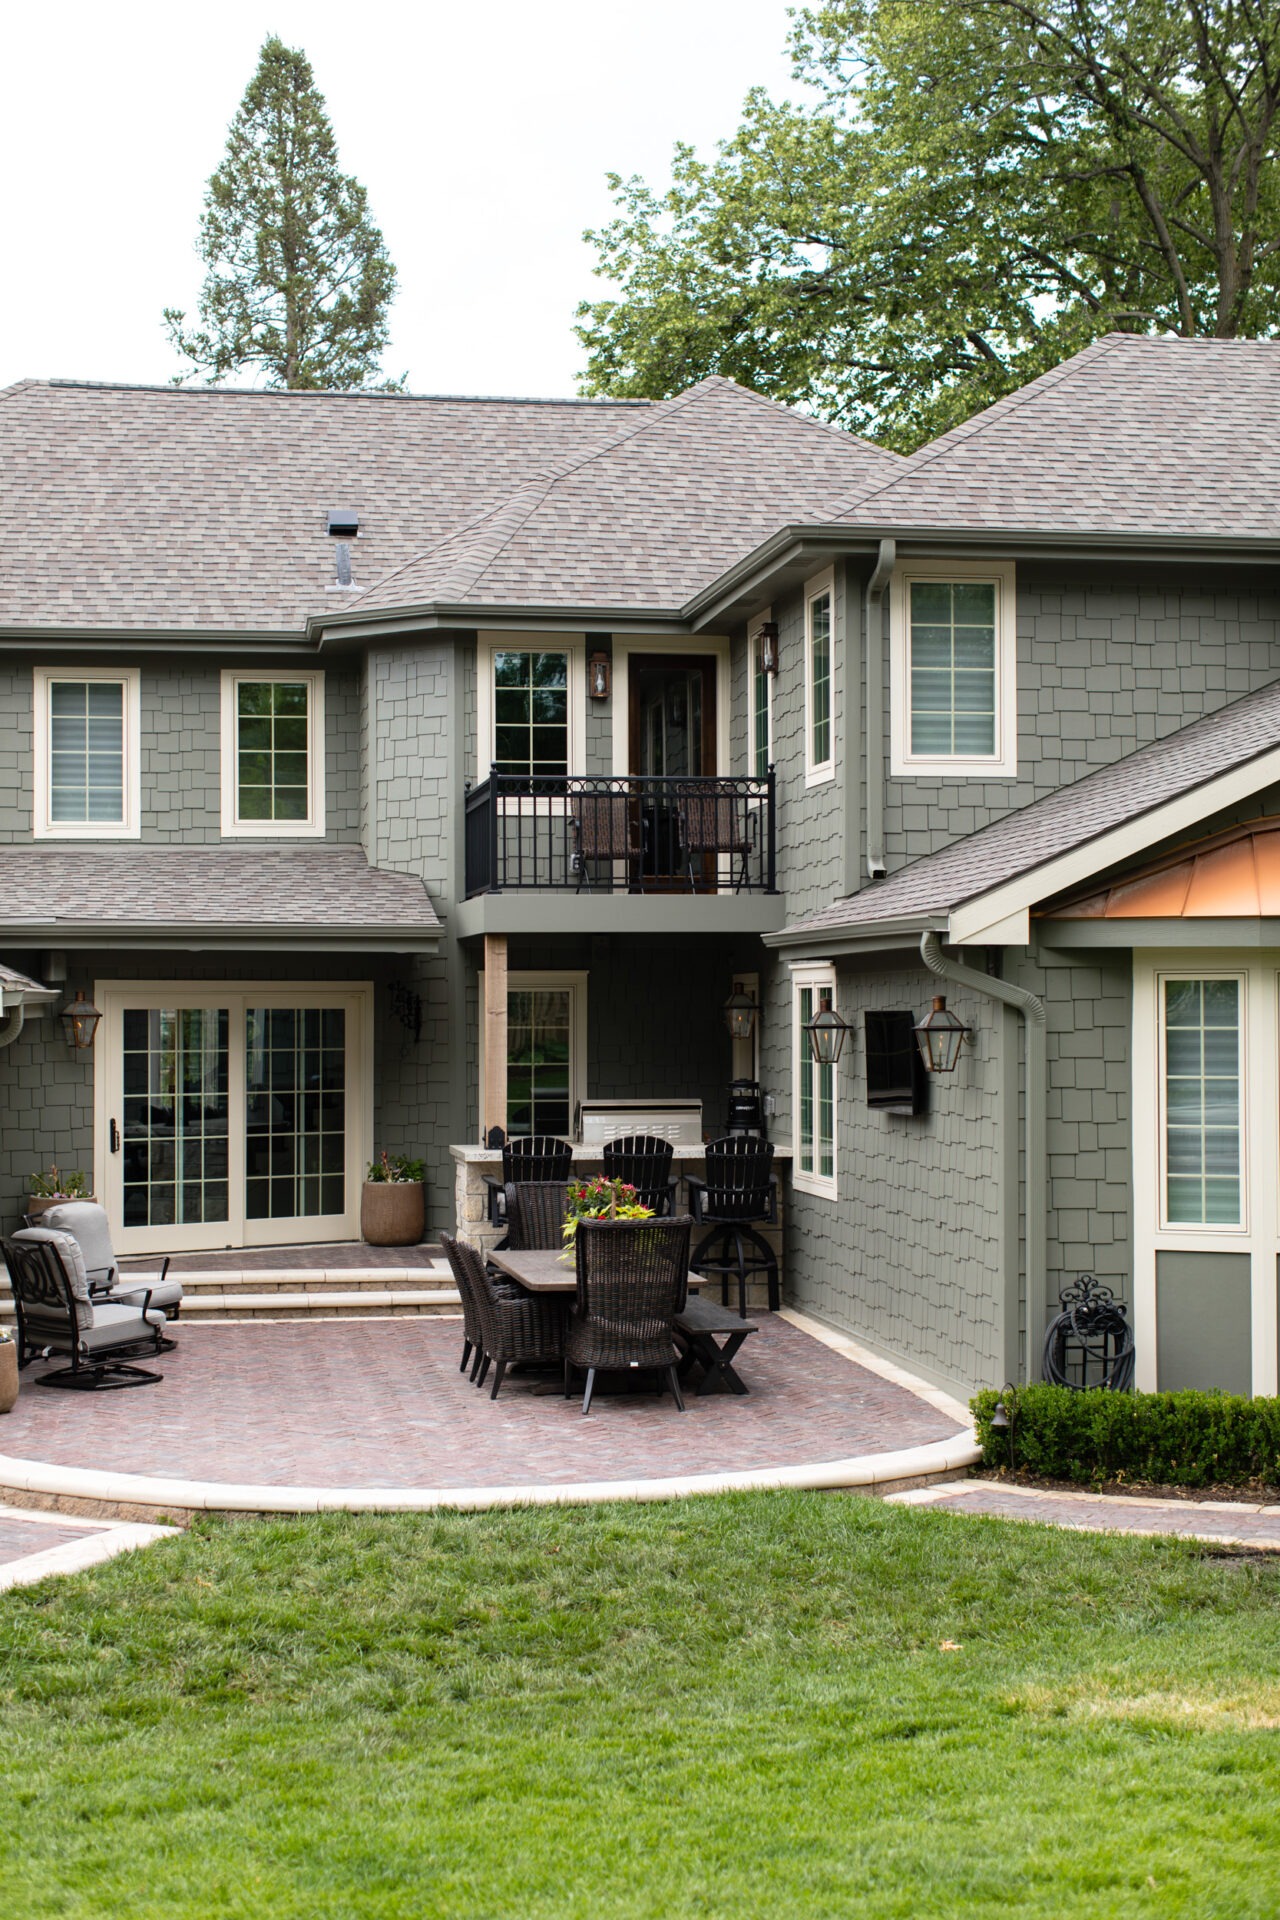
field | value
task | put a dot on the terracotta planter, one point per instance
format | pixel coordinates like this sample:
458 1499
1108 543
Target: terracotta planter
393 1213
8 1374
40 1203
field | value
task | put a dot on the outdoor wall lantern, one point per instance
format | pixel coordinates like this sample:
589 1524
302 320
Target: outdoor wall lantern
940 1036
826 1032
740 1013
599 676
80 1020
767 635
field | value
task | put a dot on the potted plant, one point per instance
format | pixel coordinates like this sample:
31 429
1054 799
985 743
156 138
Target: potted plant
393 1203
50 1189
8 1370
599 1198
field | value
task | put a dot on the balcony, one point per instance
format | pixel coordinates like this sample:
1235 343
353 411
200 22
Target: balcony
631 850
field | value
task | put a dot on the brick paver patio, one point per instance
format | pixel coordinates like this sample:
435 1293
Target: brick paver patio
381 1403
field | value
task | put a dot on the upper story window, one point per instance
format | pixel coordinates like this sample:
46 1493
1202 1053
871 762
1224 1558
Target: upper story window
272 754
952 660
761 703
531 699
86 737
813 1087
819 733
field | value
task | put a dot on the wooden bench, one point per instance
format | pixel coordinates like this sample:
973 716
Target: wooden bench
712 1335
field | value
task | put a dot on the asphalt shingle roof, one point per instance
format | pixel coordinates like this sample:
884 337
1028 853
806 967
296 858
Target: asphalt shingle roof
1134 435
310 891
145 509
1069 818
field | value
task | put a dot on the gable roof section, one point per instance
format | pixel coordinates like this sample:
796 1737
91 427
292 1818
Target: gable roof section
1132 436
981 889
169 510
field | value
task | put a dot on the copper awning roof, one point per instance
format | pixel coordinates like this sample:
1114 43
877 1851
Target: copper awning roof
1234 875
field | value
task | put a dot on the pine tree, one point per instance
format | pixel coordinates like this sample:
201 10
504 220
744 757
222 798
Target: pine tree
298 281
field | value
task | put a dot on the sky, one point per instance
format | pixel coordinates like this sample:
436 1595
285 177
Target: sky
482 133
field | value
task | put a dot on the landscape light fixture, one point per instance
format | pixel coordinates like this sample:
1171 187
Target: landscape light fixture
940 1036
80 1020
1005 1417
826 1032
740 1012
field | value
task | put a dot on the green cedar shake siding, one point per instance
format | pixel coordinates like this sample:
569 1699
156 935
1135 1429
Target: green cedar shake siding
810 822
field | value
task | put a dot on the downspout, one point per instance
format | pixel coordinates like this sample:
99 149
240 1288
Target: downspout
873 643
1031 1007
17 1020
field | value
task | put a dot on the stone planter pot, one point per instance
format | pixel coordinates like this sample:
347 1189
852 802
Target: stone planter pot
8 1374
393 1213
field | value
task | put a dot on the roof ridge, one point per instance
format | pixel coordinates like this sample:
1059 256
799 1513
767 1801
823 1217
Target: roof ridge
967 429
454 534
798 415
340 393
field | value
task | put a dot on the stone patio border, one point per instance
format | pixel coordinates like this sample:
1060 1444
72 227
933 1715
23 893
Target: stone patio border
108 1538
89 1491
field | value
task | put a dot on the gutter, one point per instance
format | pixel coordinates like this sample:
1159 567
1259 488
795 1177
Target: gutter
1031 1008
15 1026
873 642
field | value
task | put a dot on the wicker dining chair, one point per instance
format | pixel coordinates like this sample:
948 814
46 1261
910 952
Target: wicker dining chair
515 1326
472 1327
536 1212
605 827
633 1279
643 1161
715 823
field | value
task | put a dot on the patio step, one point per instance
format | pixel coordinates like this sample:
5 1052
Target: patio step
305 1293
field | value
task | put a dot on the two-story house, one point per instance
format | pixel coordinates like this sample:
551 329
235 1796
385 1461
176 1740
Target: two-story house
386 769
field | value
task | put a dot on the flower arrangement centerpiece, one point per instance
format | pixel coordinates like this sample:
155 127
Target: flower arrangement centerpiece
599 1198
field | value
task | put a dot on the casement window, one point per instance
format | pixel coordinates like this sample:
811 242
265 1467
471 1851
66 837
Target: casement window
1201 1076
531 700
272 755
87 746
761 705
952 663
819 725
813 1088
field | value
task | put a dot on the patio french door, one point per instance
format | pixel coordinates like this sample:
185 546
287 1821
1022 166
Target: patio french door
232 1116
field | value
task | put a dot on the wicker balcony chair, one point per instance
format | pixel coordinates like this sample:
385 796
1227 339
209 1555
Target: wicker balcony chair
633 1279
737 1196
515 1326
57 1314
536 1213
643 1161
605 827
715 823
472 1326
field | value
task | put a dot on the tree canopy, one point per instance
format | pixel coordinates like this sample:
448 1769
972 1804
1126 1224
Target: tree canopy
298 282
971 194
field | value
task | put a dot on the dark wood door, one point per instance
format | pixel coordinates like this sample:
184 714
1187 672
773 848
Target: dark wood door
672 736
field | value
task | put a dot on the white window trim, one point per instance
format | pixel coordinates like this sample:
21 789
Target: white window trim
42 826
820 979
312 828
1230 1229
576 982
753 668
1003 763
818 771
487 644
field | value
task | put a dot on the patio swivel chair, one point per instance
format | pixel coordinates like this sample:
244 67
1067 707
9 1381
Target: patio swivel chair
633 1279
643 1161
515 1326
605 828
536 1213
712 824
56 1314
737 1197
88 1226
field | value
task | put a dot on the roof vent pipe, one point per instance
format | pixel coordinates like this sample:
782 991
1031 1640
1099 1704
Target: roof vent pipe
342 557
873 643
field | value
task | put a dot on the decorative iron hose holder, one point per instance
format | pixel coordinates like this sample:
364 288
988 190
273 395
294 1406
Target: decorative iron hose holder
1090 1344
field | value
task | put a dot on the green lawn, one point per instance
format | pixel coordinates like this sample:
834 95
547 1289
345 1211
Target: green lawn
737 1707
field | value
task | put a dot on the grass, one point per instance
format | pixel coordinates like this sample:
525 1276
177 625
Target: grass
764 1705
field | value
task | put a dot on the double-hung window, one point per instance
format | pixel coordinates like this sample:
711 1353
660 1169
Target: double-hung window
819 724
272 755
531 713
813 1088
952 660
86 739
1201 1076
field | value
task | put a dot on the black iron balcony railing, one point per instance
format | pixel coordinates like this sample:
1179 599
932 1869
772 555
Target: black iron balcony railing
624 834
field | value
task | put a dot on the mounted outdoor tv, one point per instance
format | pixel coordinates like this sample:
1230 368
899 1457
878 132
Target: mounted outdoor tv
896 1079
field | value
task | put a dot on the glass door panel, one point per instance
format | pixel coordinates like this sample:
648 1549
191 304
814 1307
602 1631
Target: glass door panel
295 1112
175 1113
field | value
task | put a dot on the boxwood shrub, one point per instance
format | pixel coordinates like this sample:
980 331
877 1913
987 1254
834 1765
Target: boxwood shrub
1173 1439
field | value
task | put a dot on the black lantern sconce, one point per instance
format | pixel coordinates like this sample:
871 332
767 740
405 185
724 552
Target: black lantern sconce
740 1013
940 1036
598 676
767 640
826 1032
80 1020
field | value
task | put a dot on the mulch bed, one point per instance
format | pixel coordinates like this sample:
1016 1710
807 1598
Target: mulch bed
1258 1493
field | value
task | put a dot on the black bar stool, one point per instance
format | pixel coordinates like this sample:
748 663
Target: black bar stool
643 1161
737 1196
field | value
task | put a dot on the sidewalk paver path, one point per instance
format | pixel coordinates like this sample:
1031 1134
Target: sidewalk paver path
1229 1522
